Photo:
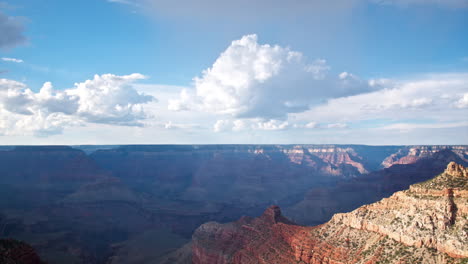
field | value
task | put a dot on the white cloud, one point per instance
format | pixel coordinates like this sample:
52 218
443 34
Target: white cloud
272 125
185 126
125 2
108 99
39 123
411 126
311 125
12 60
222 125
462 102
249 124
337 125
436 97
251 80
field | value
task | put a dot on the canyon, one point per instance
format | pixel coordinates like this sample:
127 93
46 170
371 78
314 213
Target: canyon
140 203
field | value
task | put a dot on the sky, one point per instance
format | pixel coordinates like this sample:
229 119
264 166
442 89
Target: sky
377 72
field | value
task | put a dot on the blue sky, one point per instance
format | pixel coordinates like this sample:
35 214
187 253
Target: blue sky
413 52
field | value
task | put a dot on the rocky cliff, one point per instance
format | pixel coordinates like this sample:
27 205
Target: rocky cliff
425 224
411 154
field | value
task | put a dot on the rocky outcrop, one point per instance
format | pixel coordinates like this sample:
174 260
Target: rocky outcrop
16 252
432 214
456 170
425 224
261 240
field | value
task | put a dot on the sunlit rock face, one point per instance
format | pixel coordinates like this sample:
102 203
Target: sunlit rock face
425 224
409 155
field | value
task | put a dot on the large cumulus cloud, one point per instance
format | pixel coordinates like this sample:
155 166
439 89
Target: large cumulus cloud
252 80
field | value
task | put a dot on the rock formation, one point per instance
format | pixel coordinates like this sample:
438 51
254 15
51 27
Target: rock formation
425 224
411 154
456 170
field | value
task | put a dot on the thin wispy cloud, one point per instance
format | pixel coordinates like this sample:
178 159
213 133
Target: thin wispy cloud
12 60
125 2
410 126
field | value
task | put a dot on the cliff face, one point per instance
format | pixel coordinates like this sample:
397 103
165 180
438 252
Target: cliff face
425 224
432 214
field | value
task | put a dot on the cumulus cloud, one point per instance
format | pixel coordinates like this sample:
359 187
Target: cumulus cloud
252 80
110 99
107 98
40 123
12 31
12 60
